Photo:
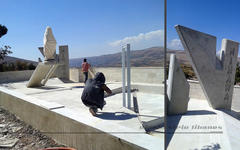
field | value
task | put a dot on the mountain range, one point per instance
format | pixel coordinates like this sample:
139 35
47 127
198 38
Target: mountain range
10 59
150 57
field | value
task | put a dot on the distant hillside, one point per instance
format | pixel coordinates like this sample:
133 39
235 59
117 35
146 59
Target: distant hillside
10 59
181 56
16 64
139 58
149 57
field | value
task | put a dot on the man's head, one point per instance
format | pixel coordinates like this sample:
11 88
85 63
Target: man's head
84 60
99 77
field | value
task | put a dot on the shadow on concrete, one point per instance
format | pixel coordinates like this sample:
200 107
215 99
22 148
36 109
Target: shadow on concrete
159 132
214 146
172 124
78 87
199 112
157 117
48 87
115 115
66 80
232 113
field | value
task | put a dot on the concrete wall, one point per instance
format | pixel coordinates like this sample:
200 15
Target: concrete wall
114 74
69 127
75 75
15 76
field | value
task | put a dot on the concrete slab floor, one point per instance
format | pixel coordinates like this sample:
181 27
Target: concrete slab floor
151 106
203 128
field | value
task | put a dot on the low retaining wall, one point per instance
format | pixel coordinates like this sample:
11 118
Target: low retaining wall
114 74
15 76
70 128
149 88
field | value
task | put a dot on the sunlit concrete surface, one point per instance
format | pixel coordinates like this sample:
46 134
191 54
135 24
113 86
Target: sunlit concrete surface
113 119
203 128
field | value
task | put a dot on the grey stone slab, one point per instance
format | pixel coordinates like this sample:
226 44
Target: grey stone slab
49 74
216 75
62 71
178 89
39 74
153 124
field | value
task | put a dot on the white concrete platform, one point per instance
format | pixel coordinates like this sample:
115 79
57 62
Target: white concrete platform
203 128
65 99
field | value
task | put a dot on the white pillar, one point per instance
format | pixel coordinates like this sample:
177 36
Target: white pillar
128 77
123 76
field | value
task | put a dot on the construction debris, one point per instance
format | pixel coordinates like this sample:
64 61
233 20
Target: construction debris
16 135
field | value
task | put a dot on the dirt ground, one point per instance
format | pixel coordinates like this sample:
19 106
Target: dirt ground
25 137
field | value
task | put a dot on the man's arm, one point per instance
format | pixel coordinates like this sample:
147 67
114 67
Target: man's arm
105 88
82 66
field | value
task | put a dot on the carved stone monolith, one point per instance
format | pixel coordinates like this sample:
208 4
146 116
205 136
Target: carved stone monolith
216 75
178 88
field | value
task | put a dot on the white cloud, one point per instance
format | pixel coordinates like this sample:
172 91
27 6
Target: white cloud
153 38
175 44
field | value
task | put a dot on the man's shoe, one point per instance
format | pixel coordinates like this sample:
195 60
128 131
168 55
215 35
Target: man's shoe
93 111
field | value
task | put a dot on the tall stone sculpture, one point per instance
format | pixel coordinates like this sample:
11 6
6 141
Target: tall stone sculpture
216 75
177 89
50 43
53 65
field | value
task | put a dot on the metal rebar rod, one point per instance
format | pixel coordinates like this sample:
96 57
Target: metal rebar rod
128 77
123 77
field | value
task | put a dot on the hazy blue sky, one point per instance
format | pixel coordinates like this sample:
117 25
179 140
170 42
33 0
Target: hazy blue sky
220 18
89 27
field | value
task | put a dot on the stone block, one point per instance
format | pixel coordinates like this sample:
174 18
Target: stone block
63 68
39 74
216 75
178 89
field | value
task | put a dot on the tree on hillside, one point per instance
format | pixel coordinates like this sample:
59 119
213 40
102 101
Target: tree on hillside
5 50
237 75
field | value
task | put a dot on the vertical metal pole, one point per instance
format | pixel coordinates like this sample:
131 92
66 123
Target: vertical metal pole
123 77
128 76
165 77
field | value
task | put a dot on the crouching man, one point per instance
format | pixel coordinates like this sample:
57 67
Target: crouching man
93 93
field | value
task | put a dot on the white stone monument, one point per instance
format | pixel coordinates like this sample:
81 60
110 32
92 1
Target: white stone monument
54 65
50 43
216 75
177 89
